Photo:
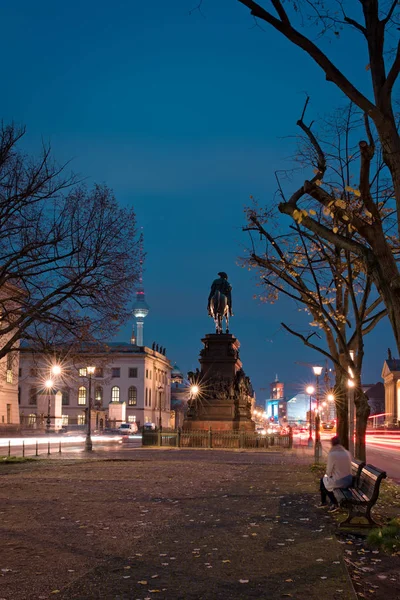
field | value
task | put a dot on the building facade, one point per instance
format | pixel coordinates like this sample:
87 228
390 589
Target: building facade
130 384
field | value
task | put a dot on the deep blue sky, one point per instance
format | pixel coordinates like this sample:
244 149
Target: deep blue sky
184 117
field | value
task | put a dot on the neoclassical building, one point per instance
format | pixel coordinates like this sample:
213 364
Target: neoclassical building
391 378
130 383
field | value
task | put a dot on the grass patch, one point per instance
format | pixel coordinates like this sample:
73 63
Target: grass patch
7 460
387 538
318 469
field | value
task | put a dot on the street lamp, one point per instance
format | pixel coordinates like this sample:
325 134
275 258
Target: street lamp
49 384
310 390
317 448
88 442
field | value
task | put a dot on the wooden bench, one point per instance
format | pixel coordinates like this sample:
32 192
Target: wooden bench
362 496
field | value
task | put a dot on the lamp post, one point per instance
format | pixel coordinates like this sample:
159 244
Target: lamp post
49 384
310 391
88 441
317 448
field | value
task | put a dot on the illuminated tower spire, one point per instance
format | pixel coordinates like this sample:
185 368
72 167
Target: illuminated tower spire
140 308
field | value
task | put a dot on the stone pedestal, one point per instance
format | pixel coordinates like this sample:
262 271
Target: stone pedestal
224 398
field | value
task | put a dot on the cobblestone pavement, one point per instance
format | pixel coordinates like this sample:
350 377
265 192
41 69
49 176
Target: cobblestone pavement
168 525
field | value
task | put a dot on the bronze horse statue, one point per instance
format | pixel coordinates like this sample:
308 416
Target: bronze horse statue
220 303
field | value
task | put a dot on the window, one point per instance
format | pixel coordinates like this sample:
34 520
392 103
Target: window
116 372
147 393
31 419
98 395
19 395
98 372
149 397
115 394
133 372
131 419
151 372
64 420
33 396
9 376
82 395
147 373
132 396
20 372
65 397
81 419
33 372
83 372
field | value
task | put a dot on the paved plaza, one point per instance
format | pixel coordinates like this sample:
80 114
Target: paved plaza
167 524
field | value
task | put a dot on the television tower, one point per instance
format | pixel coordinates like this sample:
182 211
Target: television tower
140 308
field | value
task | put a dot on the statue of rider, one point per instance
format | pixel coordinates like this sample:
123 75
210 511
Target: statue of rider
222 285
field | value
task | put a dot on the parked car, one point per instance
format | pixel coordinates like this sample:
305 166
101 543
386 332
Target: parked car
149 427
127 428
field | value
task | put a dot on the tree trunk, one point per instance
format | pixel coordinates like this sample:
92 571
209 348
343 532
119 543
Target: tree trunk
342 417
362 414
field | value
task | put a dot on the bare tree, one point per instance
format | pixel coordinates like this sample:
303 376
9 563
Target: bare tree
328 281
68 254
377 22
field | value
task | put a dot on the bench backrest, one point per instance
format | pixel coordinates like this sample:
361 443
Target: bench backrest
370 480
356 468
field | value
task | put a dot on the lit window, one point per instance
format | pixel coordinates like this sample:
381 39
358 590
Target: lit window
116 372
133 372
31 419
131 419
98 394
33 396
132 396
81 419
82 372
82 395
115 394
64 420
9 376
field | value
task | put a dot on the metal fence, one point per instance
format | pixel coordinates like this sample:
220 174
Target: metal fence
215 439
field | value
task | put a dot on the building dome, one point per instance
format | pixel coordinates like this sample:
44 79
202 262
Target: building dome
176 372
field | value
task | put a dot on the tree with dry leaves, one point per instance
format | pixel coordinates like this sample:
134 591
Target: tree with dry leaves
69 255
376 23
328 281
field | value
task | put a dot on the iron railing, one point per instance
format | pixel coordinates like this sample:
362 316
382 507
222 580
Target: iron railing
215 439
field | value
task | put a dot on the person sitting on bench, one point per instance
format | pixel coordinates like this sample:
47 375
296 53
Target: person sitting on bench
338 474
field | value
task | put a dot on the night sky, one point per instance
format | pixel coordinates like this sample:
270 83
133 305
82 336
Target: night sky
184 116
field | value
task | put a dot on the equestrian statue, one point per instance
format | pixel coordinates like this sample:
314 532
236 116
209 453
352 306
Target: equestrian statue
220 302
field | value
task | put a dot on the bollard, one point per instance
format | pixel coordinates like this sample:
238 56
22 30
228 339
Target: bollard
37 449
9 448
290 437
59 448
48 447
210 437
23 448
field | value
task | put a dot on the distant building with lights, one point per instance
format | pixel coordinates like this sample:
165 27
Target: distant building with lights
277 389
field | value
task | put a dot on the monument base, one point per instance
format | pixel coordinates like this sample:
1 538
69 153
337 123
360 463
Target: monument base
225 393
